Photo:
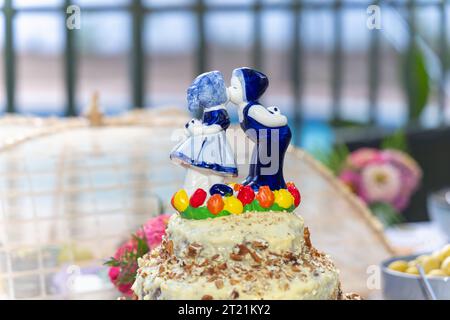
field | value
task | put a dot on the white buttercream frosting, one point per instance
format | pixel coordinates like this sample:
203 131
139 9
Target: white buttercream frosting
282 231
259 255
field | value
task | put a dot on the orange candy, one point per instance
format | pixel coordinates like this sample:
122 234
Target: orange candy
265 197
237 187
215 204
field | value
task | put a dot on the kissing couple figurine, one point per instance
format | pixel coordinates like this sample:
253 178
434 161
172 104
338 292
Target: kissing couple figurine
205 152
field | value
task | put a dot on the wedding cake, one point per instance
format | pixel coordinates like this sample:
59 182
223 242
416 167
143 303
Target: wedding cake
241 240
256 255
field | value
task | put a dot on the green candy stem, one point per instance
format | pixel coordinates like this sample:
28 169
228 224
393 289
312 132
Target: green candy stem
201 213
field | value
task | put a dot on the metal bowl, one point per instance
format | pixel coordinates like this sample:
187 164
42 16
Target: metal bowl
439 210
401 286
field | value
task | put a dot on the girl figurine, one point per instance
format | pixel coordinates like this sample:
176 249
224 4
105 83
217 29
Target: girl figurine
267 128
205 152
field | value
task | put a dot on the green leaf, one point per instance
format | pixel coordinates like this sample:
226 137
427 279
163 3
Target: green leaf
415 80
142 246
396 141
386 213
112 262
340 123
335 159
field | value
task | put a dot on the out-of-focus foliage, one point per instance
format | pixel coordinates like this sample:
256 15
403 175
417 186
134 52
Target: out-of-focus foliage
415 80
396 141
335 158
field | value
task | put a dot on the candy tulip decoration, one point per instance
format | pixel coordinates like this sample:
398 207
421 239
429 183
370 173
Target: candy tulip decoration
215 204
284 198
198 198
265 197
223 202
295 193
180 200
246 195
233 205
236 186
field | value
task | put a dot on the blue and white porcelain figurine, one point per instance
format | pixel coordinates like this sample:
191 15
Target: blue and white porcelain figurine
205 152
266 127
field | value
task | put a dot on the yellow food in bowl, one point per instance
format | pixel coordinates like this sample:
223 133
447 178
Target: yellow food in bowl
446 251
445 267
430 263
412 270
399 265
443 253
435 265
436 273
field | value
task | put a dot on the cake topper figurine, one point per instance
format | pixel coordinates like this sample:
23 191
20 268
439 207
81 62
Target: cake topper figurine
267 128
208 158
205 151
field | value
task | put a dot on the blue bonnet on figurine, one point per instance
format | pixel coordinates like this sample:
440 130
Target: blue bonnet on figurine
253 82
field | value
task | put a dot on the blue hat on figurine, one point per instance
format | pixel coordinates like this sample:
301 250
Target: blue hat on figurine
253 82
207 90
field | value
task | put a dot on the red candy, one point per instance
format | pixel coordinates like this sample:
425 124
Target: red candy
197 198
246 195
295 193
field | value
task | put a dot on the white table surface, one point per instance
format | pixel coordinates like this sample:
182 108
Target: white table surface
412 238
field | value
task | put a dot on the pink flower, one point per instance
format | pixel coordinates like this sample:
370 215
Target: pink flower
151 233
351 179
409 169
401 201
380 183
155 229
125 288
115 273
362 157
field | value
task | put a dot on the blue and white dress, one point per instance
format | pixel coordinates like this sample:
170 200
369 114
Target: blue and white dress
209 151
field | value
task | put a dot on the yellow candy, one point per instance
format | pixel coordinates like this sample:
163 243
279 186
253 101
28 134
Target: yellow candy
233 205
180 200
412 270
399 265
283 198
436 273
430 263
446 266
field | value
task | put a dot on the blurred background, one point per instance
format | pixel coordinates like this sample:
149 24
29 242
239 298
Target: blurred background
339 78
350 72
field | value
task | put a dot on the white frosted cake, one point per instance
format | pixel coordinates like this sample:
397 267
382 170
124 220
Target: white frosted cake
256 255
